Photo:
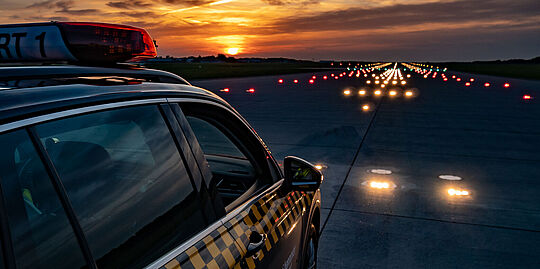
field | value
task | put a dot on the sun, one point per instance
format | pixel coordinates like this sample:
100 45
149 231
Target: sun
233 51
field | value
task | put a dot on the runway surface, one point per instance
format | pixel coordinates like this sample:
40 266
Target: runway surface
448 177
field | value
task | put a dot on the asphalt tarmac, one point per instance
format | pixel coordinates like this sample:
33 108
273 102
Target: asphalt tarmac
384 202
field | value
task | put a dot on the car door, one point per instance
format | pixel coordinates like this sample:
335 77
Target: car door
244 179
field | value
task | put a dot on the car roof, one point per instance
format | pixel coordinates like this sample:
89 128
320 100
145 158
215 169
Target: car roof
84 86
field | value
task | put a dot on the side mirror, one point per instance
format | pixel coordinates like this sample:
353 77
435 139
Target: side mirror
301 175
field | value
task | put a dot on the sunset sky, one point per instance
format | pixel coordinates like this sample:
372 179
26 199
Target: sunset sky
371 30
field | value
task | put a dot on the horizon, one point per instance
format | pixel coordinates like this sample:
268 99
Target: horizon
340 30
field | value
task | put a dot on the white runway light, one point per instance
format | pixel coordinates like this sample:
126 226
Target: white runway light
450 177
380 171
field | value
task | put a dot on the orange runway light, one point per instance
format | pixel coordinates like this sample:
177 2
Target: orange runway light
365 107
455 192
347 92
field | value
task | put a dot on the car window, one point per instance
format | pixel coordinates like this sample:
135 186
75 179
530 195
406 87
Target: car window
232 172
127 182
41 234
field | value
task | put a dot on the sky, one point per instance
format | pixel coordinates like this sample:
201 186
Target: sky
364 30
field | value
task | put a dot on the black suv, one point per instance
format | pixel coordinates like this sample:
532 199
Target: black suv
125 167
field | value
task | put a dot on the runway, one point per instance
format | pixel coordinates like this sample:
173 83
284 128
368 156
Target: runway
447 176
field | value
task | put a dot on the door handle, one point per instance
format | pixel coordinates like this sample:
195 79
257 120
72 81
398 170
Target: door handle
256 242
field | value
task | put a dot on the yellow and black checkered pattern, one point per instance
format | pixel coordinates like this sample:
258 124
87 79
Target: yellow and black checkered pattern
226 246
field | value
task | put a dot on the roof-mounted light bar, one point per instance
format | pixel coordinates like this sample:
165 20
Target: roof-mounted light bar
74 42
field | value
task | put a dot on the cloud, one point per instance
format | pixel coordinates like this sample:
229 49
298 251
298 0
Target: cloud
142 14
189 3
129 5
288 2
406 15
62 6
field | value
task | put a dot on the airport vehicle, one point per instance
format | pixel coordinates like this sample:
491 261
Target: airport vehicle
107 165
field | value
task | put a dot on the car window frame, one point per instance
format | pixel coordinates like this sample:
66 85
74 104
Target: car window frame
275 174
28 125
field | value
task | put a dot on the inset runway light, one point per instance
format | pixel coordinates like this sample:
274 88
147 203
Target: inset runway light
251 90
392 93
347 92
454 192
379 185
320 166
365 107
487 84
362 92
225 90
280 81
377 92
450 177
506 85
527 97
380 171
